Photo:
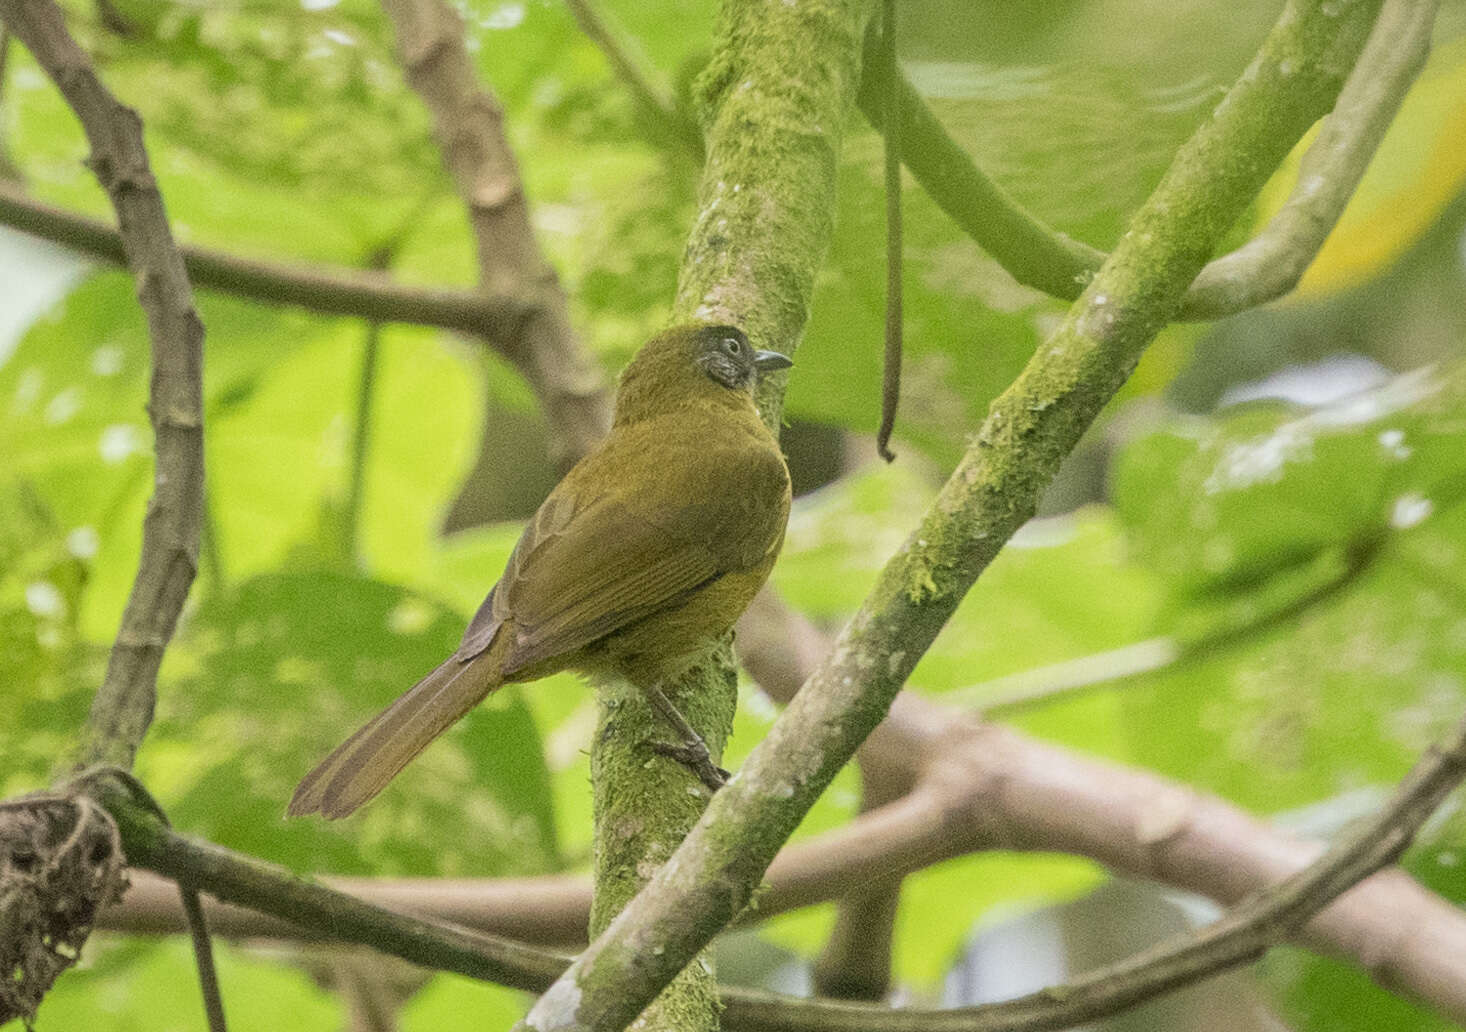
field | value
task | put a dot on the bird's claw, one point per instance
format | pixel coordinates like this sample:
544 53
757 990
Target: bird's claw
696 759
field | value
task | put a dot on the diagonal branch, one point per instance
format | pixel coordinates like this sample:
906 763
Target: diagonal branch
469 125
980 787
233 878
66 888
1294 79
985 787
123 708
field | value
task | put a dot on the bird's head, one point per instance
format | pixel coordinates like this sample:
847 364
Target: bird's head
691 361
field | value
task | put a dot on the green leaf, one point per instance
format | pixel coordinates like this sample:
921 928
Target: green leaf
49 675
272 674
447 1001
1217 505
1320 994
126 989
1336 537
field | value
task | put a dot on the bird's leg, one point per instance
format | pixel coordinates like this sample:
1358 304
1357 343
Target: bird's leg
692 751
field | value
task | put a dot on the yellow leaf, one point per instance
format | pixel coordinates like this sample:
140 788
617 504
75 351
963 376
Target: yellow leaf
1419 168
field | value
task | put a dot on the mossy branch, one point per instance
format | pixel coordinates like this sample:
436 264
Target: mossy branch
766 211
1294 79
1262 270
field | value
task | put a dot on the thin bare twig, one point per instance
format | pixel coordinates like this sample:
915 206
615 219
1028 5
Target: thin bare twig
891 364
203 954
124 704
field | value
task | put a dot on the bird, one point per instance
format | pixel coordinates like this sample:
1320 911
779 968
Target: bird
647 550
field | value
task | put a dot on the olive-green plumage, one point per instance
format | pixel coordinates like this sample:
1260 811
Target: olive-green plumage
651 546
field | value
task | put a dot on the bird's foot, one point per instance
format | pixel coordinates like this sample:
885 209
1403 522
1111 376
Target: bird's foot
694 756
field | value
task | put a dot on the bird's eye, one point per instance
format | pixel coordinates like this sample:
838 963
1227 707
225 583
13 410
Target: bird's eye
732 345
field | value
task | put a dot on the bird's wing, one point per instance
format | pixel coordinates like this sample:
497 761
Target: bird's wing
584 568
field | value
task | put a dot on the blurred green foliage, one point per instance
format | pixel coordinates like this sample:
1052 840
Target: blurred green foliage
1319 553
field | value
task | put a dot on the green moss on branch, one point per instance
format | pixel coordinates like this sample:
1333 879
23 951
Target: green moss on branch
776 100
1030 429
766 212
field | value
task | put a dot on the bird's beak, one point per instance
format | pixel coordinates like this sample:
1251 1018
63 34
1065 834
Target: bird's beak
764 361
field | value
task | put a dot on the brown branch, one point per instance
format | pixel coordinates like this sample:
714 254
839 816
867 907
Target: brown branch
986 787
468 122
1265 918
123 707
980 787
552 910
124 704
342 292
1242 935
855 963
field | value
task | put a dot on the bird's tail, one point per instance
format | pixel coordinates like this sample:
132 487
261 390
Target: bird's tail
361 766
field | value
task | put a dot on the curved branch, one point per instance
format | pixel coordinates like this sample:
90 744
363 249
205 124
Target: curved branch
1240 936
123 707
1030 429
1264 269
1272 263
232 878
980 787
1033 253
1262 920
